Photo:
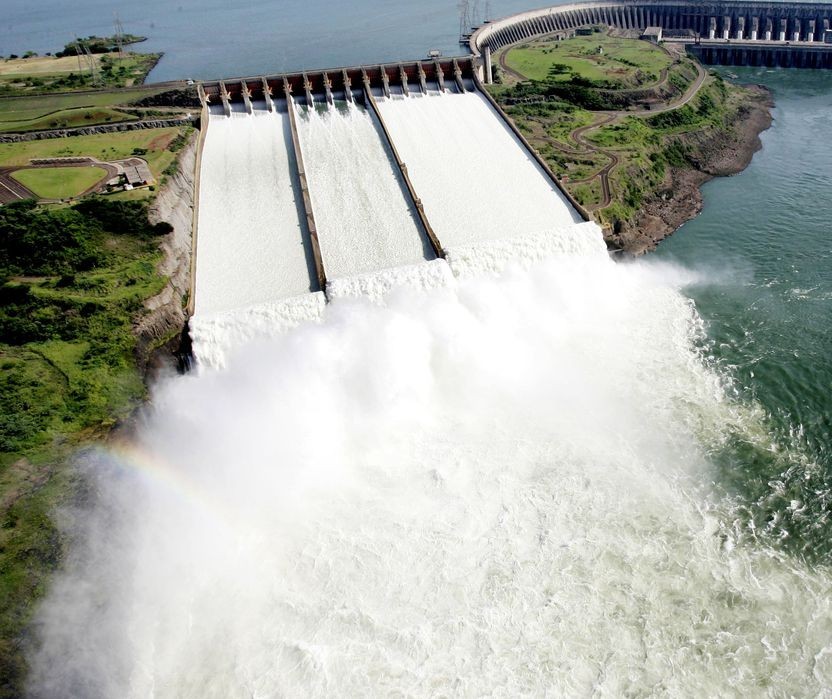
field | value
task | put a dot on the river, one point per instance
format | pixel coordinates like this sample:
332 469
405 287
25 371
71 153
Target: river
764 255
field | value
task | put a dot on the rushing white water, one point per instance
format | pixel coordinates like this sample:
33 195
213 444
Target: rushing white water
493 186
365 223
216 336
498 486
250 246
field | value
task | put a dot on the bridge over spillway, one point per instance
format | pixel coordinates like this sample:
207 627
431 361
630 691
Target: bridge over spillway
788 34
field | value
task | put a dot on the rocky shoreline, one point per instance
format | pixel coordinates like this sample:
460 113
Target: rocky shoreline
713 154
159 331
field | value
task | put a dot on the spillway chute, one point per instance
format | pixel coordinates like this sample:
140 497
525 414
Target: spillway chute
476 180
365 221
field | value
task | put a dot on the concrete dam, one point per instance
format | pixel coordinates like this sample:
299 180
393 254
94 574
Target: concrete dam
786 34
351 182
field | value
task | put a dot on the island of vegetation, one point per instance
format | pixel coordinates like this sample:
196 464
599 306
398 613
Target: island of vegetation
631 128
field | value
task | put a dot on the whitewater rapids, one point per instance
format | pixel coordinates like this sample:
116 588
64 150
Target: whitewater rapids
500 486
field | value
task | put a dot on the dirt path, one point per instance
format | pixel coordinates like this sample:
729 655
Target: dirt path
509 71
609 117
578 135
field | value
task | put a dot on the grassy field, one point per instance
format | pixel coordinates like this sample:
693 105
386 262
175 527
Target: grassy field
154 145
51 74
59 182
624 62
26 113
69 118
42 65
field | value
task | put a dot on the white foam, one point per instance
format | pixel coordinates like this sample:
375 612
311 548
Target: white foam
377 285
216 336
496 487
493 256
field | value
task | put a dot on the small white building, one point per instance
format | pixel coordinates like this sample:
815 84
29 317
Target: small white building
652 34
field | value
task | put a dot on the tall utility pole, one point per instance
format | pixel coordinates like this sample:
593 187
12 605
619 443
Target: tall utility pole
93 66
119 35
78 53
464 18
84 51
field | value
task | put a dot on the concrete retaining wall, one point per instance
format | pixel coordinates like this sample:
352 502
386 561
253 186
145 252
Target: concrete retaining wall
92 130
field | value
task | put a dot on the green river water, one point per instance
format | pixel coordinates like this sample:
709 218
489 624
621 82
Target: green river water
762 255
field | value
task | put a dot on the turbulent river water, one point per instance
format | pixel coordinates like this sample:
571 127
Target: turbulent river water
763 248
503 485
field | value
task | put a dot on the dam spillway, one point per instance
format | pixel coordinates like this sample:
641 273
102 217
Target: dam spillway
492 185
354 182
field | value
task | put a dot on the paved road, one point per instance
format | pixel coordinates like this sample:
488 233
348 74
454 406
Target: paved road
11 190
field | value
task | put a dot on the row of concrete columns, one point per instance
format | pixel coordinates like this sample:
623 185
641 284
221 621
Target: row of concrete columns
771 56
411 77
755 28
748 23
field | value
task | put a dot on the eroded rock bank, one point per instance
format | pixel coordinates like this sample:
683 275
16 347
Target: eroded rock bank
162 326
713 153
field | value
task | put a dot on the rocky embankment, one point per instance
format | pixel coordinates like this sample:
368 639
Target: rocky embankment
713 153
165 319
101 128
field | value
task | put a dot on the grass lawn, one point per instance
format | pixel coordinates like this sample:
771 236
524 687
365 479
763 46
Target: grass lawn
69 118
23 109
105 146
59 182
629 62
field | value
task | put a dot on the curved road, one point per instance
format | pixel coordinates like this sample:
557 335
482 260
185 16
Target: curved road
11 190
